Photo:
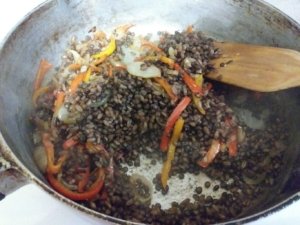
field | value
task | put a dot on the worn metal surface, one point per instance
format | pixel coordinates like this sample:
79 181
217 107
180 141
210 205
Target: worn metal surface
45 33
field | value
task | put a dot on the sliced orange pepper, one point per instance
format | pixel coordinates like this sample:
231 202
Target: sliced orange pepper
59 101
49 148
232 143
189 29
171 152
74 66
151 45
76 82
167 87
41 72
110 70
123 28
37 93
164 144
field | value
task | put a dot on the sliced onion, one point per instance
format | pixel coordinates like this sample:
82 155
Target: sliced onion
40 158
116 63
254 181
65 116
130 55
135 69
62 113
137 191
77 58
240 134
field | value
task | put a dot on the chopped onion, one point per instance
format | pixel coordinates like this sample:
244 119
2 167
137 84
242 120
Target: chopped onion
135 69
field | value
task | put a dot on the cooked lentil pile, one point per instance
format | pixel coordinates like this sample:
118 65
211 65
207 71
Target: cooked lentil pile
116 98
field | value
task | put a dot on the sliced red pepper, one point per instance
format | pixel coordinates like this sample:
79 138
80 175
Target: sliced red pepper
167 87
69 143
49 148
85 178
207 88
89 194
232 143
164 144
211 154
190 82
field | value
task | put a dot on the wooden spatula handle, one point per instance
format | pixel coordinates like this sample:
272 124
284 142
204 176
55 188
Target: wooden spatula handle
258 68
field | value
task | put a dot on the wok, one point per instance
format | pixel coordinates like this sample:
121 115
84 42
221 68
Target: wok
45 33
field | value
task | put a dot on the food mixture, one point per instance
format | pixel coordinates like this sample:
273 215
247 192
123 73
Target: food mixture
119 100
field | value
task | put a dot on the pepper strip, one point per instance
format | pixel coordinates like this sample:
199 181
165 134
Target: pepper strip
87 75
74 66
60 96
232 143
164 144
110 48
37 93
89 194
49 148
197 99
85 178
167 87
148 44
211 154
76 82
42 70
188 80
171 152
69 143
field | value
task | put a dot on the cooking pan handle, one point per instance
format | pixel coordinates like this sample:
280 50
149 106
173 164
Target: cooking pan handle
11 177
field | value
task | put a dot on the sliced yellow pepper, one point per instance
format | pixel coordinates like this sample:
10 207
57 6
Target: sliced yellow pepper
87 76
196 99
110 48
171 152
170 62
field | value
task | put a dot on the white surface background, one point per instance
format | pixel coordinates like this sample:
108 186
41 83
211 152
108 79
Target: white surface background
31 206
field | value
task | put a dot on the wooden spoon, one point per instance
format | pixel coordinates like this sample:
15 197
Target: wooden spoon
258 68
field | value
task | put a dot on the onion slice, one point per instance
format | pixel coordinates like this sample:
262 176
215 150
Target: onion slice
134 69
